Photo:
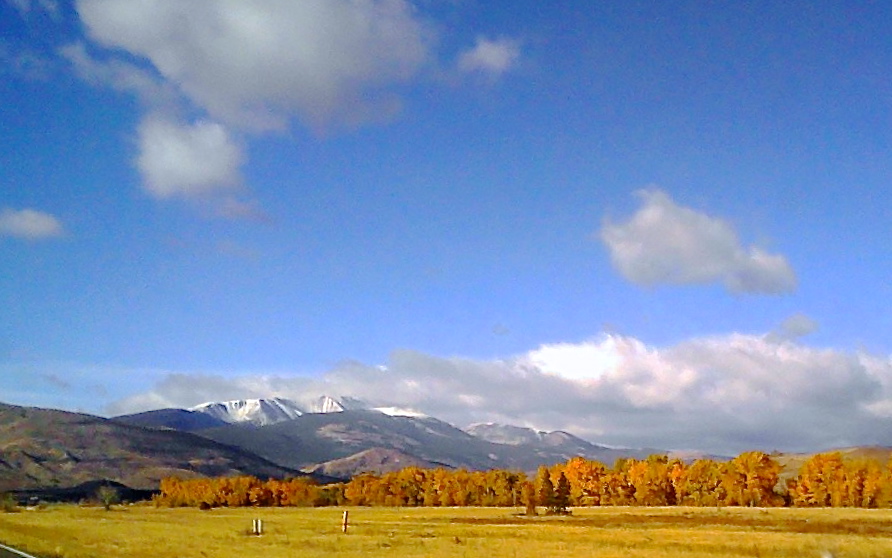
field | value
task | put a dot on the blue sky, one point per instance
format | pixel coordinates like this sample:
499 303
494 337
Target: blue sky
611 200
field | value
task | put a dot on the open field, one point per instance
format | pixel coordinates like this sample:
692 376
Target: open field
143 531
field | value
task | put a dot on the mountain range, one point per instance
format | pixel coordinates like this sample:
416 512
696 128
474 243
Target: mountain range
275 437
334 430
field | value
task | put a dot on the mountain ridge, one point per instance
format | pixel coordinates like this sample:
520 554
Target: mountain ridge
257 411
337 434
53 448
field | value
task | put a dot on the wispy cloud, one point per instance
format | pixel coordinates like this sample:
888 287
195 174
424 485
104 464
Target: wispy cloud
665 243
29 224
121 75
24 64
491 57
794 327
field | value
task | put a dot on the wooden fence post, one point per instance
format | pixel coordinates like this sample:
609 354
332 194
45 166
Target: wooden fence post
344 523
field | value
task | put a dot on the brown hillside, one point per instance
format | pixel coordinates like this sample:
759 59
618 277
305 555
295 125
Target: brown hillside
374 460
792 462
42 448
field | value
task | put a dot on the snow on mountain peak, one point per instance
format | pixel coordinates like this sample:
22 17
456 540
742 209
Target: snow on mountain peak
257 411
505 433
277 409
400 412
327 404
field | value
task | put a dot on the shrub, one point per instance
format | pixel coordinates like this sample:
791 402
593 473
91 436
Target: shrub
8 503
108 496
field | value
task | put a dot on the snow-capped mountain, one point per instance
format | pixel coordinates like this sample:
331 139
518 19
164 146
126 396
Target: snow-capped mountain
334 432
400 412
257 411
557 441
327 404
273 410
505 433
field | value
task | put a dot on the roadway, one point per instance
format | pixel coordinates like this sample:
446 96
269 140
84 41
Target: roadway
8 552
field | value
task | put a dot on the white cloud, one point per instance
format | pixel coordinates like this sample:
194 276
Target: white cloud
727 393
120 75
175 159
29 224
246 66
187 160
179 390
668 243
492 57
256 63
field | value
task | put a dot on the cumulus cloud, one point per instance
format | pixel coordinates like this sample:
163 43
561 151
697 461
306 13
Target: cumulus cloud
29 224
492 57
256 63
243 66
187 160
725 394
238 67
176 159
666 243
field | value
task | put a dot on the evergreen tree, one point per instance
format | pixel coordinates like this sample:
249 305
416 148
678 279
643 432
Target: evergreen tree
528 496
545 488
561 495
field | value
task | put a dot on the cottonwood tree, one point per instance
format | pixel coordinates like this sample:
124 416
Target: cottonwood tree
750 478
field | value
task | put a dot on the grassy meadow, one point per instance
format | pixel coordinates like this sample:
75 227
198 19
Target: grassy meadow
146 532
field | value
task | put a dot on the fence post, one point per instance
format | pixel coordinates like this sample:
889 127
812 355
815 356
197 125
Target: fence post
344 523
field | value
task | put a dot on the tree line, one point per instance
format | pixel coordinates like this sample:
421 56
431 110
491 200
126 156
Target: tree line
750 479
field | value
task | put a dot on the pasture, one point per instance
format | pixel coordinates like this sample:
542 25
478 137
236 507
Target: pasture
143 531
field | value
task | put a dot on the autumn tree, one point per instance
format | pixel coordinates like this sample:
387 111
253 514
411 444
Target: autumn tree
750 480
701 485
871 484
586 478
653 481
618 489
821 481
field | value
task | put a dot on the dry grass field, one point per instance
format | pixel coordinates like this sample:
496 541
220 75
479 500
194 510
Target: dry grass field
147 532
